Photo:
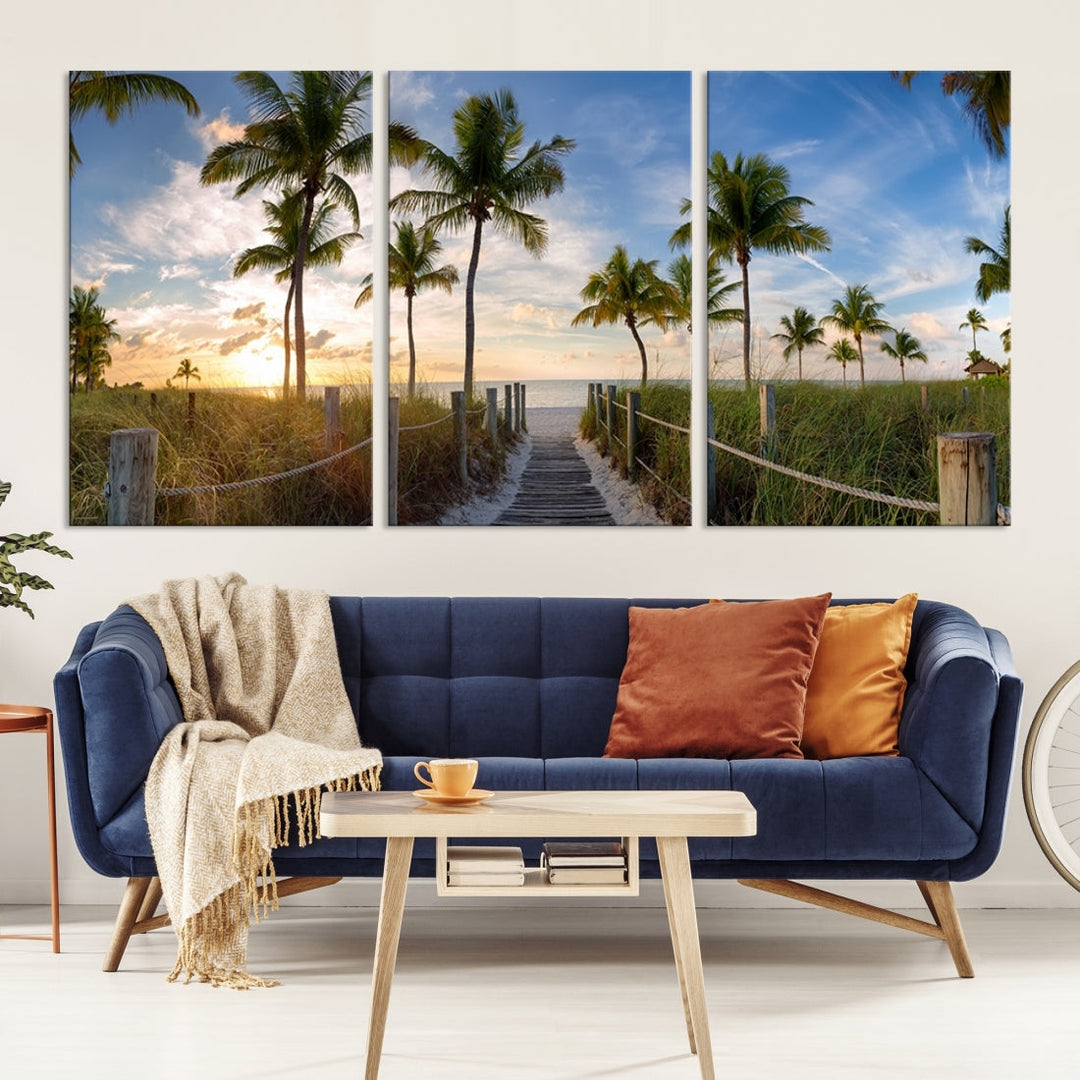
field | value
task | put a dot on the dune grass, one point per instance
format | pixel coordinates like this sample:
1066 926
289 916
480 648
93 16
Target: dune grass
878 437
232 436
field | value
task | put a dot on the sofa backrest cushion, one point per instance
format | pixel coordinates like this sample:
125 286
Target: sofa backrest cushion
485 676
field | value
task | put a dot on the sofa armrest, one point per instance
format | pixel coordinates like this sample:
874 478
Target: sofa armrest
951 704
129 705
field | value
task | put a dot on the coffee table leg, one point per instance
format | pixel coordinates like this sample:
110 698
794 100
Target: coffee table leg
391 908
682 918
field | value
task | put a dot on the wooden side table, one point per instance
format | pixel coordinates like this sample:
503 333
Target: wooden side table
35 718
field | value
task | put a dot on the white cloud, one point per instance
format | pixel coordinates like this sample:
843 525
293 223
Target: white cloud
219 130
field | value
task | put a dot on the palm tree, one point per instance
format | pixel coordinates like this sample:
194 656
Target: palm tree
905 347
800 331
751 208
985 101
411 268
630 291
842 350
491 176
309 137
975 320
857 313
186 372
115 93
283 224
1006 339
681 277
994 274
90 333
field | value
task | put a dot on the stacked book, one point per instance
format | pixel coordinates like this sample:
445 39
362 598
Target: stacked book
485 866
584 862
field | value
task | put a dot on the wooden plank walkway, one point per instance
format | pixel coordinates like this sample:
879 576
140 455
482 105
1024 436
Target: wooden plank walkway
556 488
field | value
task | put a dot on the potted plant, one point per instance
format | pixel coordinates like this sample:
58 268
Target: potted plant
12 581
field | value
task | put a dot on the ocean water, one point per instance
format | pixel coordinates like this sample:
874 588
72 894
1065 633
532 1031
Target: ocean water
540 393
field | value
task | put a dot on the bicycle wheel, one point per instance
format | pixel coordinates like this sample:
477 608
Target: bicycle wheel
1052 776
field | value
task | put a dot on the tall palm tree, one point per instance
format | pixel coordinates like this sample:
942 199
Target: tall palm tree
752 209
309 137
90 333
905 347
800 331
116 93
681 277
411 267
490 176
974 320
186 372
985 100
843 351
283 224
994 273
630 291
857 313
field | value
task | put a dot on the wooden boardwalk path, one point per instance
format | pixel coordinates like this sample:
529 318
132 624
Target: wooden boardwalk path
556 488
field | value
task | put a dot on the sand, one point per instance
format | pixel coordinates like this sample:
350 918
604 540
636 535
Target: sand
623 499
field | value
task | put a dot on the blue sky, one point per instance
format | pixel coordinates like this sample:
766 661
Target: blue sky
898 178
624 181
161 247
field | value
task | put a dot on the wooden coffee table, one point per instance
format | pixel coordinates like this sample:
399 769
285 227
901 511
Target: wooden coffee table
669 816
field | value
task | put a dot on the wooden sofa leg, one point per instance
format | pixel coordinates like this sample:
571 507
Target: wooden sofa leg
130 905
939 899
938 896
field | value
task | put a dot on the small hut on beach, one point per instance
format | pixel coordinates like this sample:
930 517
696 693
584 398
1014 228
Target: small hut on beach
983 367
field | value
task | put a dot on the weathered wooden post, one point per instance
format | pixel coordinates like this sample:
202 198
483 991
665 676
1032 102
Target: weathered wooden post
517 406
493 412
767 406
589 397
153 401
524 419
710 464
633 405
191 410
394 427
332 416
610 401
132 488
967 478
965 395
924 397
457 407
509 408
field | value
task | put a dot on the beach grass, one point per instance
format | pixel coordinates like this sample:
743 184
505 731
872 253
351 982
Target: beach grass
878 437
231 436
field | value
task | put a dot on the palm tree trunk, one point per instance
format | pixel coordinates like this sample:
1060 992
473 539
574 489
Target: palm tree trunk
862 373
632 323
746 320
800 365
298 274
903 378
288 337
412 345
470 315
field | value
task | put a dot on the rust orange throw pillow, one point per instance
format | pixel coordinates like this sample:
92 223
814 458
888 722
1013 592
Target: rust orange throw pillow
718 680
857 685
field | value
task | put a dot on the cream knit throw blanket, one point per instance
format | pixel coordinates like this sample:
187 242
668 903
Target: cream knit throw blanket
267 726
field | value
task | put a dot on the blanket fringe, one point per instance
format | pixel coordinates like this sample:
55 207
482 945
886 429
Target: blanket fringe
213 942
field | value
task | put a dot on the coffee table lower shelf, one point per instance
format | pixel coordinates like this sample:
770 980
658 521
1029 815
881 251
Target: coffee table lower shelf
536 882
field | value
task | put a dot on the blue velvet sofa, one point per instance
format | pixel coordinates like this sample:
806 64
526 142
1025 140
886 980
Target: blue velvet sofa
528 686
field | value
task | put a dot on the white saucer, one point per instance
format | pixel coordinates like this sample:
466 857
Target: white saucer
474 796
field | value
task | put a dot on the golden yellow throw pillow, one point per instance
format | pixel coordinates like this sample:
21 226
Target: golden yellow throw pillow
856 688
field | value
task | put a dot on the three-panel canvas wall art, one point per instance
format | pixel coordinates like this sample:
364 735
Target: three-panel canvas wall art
532 295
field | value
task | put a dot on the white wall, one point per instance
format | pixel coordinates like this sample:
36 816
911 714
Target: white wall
1022 580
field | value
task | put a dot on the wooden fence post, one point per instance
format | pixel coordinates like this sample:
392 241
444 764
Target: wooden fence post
710 464
493 412
332 416
633 404
767 406
524 420
457 407
394 432
191 410
611 417
132 476
517 406
965 395
924 397
967 478
509 409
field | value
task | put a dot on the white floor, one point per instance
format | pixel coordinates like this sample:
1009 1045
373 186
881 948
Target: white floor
552 992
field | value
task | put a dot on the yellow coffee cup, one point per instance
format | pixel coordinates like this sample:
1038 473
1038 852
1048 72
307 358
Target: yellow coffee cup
449 776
